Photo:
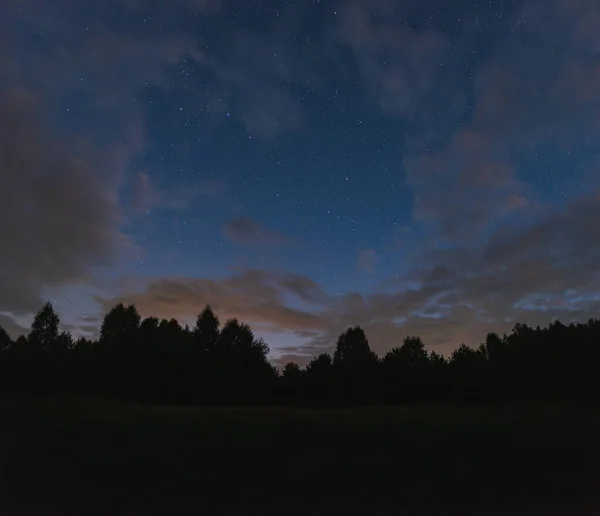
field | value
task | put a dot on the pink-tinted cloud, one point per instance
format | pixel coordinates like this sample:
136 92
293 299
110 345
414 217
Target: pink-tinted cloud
253 296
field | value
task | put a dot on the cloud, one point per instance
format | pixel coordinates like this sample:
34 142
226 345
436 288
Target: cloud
259 298
463 188
9 324
252 76
146 196
544 271
247 231
59 218
402 66
547 270
255 297
543 80
260 75
470 129
539 88
101 63
61 183
303 288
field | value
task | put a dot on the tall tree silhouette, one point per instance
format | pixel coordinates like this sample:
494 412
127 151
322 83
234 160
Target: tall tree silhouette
44 328
241 362
119 349
206 330
203 356
43 362
120 324
413 353
405 372
355 368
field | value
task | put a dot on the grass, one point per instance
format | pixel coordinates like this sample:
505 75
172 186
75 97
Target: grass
99 458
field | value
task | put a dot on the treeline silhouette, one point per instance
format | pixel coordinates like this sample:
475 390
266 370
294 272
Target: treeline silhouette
159 361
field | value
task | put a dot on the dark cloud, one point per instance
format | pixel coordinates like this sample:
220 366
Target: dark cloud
244 230
61 186
9 324
59 219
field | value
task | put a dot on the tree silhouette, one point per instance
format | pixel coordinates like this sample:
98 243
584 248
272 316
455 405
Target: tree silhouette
159 361
405 372
317 381
44 328
119 350
206 330
291 384
355 368
120 324
352 348
412 353
437 361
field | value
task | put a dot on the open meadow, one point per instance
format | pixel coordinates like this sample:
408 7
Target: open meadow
102 458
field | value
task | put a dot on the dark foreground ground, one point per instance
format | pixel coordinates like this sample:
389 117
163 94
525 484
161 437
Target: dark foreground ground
83 458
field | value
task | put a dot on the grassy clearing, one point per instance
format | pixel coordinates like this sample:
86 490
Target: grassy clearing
96 458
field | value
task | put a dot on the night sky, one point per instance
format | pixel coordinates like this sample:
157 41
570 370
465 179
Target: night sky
424 168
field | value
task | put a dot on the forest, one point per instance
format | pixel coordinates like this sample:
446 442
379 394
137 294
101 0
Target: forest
160 362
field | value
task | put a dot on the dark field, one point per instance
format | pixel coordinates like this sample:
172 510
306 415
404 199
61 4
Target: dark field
82 458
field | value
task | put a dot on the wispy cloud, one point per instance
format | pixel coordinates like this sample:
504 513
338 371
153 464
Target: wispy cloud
244 230
536 90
